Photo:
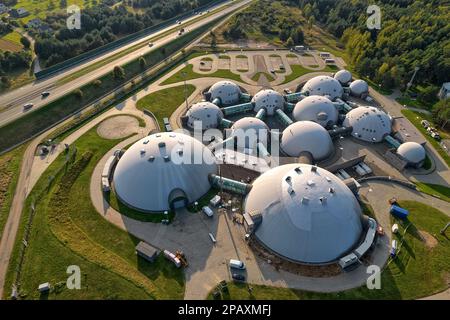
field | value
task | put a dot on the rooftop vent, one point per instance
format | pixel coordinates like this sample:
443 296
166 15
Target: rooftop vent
332 191
166 159
291 190
162 144
314 169
180 152
311 183
151 159
305 200
323 200
142 151
298 170
288 179
146 141
328 179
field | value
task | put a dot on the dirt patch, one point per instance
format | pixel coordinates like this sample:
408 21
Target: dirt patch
206 65
118 127
242 64
428 239
224 64
9 46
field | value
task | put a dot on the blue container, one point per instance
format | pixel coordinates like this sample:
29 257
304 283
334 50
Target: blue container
399 212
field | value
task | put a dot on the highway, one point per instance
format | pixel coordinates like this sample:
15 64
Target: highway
13 102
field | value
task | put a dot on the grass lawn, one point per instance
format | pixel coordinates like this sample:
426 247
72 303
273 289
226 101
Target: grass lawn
434 190
40 9
418 270
415 118
190 74
67 230
414 103
164 102
297 71
258 75
9 174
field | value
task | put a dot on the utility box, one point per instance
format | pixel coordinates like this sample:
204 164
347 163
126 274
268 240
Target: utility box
44 287
399 212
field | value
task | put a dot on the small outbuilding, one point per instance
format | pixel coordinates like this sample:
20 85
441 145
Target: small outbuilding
147 251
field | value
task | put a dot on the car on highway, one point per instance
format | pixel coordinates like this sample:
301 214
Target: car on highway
28 106
238 277
45 94
150 44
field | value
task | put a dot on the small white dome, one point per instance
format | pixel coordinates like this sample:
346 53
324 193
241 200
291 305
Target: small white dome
343 76
308 216
412 152
250 131
228 92
359 88
269 100
318 109
323 86
207 113
306 136
162 170
369 124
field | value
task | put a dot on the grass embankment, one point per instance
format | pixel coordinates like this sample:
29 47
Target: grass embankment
67 230
164 102
42 118
190 74
9 174
415 118
434 190
418 270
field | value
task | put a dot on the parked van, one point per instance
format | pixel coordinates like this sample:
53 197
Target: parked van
208 211
237 264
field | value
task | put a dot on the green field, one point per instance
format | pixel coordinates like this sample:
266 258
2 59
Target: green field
41 8
258 75
9 174
190 74
415 118
418 270
434 190
67 230
297 71
164 102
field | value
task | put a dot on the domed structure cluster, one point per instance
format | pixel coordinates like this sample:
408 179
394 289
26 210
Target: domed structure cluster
413 153
164 171
323 86
369 124
249 131
359 89
206 114
318 109
306 136
308 214
343 76
226 91
268 100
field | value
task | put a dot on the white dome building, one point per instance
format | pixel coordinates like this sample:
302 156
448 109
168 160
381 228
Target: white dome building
369 124
359 88
207 113
413 153
323 86
343 76
308 214
228 92
164 171
318 109
306 136
269 100
249 131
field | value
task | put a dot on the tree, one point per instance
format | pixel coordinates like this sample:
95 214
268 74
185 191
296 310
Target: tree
441 112
428 94
25 42
290 42
98 83
118 73
79 93
297 36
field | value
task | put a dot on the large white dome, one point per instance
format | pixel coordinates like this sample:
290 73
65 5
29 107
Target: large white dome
207 113
308 215
323 86
369 123
318 109
343 76
249 131
412 152
306 136
228 92
269 100
359 88
163 171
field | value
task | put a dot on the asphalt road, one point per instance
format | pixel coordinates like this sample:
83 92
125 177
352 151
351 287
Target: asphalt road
14 101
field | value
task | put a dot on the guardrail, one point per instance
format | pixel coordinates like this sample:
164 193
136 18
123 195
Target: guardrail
123 41
389 179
